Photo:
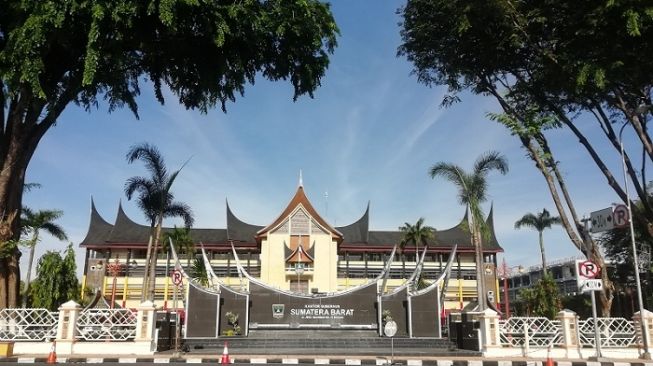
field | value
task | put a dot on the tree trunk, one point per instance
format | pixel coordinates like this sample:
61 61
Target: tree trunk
155 249
544 270
146 270
28 276
478 254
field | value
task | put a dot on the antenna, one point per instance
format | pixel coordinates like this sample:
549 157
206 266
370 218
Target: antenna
301 181
326 205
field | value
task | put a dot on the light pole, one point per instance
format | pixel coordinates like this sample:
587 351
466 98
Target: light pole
647 353
114 270
299 268
505 272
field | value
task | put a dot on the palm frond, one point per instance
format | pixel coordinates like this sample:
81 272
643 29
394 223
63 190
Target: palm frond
179 209
152 159
491 160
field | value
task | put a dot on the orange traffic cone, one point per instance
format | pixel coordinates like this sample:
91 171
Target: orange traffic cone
52 357
549 360
225 355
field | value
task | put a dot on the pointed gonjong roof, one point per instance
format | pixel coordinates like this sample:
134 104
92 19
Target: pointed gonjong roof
355 236
125 232
300 199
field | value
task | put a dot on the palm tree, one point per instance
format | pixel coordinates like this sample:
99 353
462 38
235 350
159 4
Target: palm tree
182 241
415 234
543 220
472 191
32 224
157 202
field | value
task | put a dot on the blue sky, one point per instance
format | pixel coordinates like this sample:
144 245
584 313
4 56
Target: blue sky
370 134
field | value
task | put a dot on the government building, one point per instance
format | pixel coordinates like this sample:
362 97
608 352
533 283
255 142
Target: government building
297 251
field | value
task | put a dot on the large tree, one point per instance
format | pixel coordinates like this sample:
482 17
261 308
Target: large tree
54 53
33 223
472 192
157 202
546 64
56 280
540 222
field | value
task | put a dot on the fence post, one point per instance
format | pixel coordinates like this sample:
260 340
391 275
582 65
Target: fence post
569 331
146 323
490 337
637 319
66 327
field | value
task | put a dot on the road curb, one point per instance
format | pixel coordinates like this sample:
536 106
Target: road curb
319 361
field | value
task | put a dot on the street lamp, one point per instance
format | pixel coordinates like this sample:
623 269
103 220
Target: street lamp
299 267
114 270
505 272
647 354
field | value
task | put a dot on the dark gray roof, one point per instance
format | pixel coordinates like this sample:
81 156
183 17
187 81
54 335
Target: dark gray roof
238 230
457 235
126 231
98 229
357 232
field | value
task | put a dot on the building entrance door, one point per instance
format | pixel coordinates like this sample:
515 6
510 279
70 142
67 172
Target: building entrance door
300 286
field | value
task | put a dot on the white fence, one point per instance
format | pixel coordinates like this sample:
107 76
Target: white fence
92 325
27 324
536 332
542 332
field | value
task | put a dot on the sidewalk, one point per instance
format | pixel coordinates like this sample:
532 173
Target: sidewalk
323 360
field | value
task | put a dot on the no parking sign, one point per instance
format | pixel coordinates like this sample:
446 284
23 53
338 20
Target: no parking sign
588 276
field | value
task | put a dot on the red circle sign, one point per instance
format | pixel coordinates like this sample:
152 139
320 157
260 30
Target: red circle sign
177 279
588 269
621 216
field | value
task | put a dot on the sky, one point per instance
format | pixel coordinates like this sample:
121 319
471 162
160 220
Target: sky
369 135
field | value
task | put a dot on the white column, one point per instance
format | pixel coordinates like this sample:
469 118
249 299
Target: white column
648 317
490 338
66 327
145 321
569 329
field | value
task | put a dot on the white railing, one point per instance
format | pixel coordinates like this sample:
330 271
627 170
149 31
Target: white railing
613 332
541 332
106 324
27 324
534 332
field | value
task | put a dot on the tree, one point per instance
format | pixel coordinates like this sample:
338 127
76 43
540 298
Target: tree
543 220
542 299
199 272
617 246
472 192
182 241
546 64
33 223
415 234
55 53
157 202
56 280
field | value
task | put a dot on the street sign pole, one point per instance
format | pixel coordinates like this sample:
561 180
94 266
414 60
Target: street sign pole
647 353
597 334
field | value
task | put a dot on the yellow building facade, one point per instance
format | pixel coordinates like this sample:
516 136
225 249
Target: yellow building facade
298 251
